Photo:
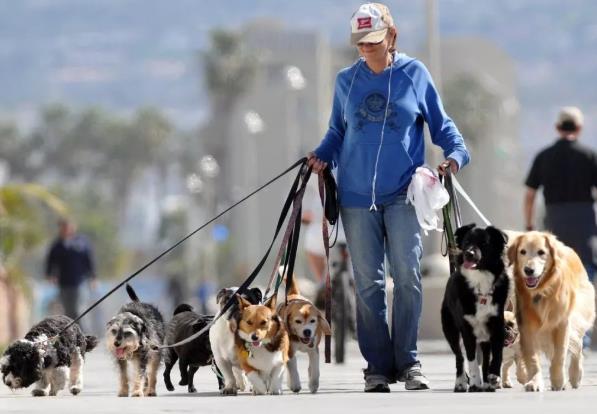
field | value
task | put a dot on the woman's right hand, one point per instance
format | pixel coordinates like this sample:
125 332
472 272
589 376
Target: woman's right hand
315 163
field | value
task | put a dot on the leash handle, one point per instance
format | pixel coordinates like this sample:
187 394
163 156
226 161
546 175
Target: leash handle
448 230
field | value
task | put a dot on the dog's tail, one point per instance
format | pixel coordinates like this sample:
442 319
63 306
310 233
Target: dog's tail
183 307
293 289
132 294
90 342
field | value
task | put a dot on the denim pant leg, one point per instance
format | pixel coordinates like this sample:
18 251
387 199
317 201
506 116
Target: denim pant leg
404 250
364 231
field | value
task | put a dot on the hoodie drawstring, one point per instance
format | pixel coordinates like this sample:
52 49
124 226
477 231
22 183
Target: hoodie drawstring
383 126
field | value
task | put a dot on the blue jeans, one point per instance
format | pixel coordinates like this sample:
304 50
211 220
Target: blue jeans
393 232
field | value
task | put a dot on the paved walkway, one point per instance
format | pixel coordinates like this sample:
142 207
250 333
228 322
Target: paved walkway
340 392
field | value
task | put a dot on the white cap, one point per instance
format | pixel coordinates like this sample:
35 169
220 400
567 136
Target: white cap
370 23
570 115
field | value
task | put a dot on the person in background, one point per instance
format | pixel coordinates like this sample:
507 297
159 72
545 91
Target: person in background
375 138
69 264
567 173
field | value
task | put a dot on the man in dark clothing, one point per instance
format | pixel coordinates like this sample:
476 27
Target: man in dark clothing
70 263
567 171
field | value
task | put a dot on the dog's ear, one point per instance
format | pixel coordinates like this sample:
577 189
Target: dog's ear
323 323
513 250
221 295
271 302
461 232
254 295
110 322
233 325
497 236
242 302
554 246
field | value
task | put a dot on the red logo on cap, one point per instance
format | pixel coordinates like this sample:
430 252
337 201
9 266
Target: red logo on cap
364 23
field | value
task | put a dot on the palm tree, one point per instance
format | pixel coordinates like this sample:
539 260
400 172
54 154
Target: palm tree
23 208
229 71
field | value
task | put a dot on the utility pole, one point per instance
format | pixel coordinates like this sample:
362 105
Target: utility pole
434 155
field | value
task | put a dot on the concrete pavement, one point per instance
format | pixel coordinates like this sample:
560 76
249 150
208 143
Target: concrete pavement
340 392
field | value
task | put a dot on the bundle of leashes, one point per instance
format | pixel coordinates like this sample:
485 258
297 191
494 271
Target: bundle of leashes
289 245
452 187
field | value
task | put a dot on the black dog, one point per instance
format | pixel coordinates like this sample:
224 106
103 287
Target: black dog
41 359
473 306
192 355
129 337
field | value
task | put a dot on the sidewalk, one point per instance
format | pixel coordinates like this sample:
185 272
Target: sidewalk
340 392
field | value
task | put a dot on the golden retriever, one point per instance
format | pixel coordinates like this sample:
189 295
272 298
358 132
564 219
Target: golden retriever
555 307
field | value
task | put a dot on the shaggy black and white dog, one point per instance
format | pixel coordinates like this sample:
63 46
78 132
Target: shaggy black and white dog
129 337
47 361
473 307
190 356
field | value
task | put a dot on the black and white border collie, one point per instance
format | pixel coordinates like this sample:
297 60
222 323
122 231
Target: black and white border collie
46 360
473 307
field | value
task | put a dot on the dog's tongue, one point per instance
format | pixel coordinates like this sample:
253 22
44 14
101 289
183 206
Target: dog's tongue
532 281
305 340
120 352
469 265
256 343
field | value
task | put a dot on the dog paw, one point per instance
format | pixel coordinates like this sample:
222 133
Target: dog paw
183 382
475 388
259 391
493 383
228 391
533 386
39 393
150 394
461 384
192 389
137 394
313 386
507 384
558 387
75 390
295 389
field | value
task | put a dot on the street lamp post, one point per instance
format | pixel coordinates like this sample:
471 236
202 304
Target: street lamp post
255 126
295 81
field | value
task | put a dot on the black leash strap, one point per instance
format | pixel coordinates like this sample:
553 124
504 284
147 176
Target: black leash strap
329 203
453 205
301 162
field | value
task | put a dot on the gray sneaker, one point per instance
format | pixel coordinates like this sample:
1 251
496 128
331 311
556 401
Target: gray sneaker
413 378
376 383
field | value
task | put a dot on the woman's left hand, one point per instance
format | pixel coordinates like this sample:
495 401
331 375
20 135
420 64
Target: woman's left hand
443 167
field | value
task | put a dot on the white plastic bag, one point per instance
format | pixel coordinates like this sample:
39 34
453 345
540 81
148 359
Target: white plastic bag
427 195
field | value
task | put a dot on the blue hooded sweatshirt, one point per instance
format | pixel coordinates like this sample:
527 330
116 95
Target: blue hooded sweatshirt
377 155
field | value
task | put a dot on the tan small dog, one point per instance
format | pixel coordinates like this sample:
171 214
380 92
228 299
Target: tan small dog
306 326
262 346
555 305
512 353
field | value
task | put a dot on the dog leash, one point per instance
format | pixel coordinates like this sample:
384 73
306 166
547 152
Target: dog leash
291 199
300 162
328 283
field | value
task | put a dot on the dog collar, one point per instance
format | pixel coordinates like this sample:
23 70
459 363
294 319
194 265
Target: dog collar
483 299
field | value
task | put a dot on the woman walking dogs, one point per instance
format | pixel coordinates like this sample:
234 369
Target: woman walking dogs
375 138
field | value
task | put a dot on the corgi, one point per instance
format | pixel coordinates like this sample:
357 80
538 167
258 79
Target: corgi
262 346
306 326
